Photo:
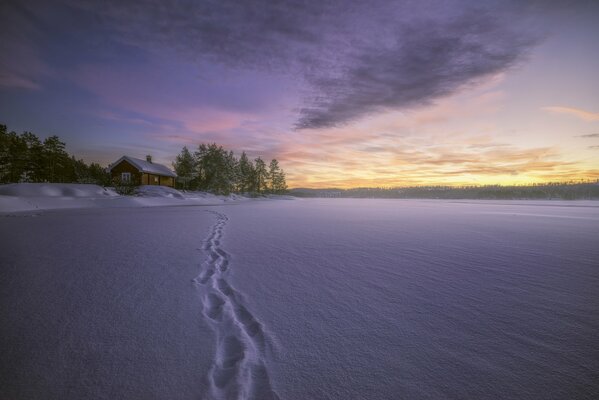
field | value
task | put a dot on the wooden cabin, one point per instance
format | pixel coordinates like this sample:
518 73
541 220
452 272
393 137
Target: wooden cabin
129 169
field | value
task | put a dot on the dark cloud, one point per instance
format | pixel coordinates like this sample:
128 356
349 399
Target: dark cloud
590 135
353 57
236 33
426 60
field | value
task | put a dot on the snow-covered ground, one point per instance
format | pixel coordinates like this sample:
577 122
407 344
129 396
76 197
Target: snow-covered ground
305 299
48 196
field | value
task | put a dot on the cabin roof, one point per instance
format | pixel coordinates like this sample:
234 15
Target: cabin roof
145 166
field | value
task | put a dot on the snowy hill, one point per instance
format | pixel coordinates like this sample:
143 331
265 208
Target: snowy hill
46 196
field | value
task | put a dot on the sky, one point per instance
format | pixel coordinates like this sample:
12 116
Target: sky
343 93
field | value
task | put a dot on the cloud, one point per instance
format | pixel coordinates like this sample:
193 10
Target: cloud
576 112
427 60
594 147
590 135
316 159
21 65
8 79
354 58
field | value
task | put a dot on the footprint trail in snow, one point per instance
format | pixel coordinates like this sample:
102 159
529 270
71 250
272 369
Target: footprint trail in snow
238 370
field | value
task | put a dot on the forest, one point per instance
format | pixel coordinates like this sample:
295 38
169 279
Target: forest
26 158
213 169
555 190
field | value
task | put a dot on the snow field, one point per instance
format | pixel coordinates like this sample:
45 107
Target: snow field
305 299
238 370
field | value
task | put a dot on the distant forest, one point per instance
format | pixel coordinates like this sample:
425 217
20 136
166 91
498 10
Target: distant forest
559 190
26 158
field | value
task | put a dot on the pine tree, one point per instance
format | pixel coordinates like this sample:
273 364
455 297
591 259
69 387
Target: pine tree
276 178
24 158
229 176
245 174
99 175
17 157
55 159
260 176
184 166
5 155
32 159
215 168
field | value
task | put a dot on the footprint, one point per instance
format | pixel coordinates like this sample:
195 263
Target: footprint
252 327
223 265
224 287
213 306
232 352
238 370
206 275
222 253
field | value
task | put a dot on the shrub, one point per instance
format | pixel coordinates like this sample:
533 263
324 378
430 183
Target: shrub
126 188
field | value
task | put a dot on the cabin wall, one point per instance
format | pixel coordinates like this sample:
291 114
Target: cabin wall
151 179
125 166
141 178
167 181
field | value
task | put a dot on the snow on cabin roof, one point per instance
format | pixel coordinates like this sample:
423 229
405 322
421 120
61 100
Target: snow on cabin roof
145 166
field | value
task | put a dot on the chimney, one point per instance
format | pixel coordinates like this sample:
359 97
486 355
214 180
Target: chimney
149 158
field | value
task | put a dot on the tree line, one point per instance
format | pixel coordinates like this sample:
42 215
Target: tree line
26 158
213 169
554 190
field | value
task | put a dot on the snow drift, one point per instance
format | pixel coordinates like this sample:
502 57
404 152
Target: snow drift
55 190
47 196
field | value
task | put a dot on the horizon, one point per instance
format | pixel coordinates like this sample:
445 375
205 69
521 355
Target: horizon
343 95
556 183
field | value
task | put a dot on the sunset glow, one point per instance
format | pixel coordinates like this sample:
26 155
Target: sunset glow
428 97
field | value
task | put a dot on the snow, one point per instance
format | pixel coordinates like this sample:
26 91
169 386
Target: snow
19 197
159 191
96 306
146 166
314 298
55 190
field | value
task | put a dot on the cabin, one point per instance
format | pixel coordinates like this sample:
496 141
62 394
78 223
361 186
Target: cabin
146 172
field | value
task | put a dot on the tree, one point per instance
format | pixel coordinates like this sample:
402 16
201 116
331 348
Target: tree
245 174
260 176
184 166
276 178
17 153
6 155
55 159
24 158
230 178
33 169
99 175
215 169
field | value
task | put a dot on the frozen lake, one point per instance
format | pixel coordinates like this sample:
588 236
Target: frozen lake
302 299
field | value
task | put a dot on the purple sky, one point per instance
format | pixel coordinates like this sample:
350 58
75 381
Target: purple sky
343 93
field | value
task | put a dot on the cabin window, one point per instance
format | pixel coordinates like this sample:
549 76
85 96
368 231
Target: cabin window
155 179
126 177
